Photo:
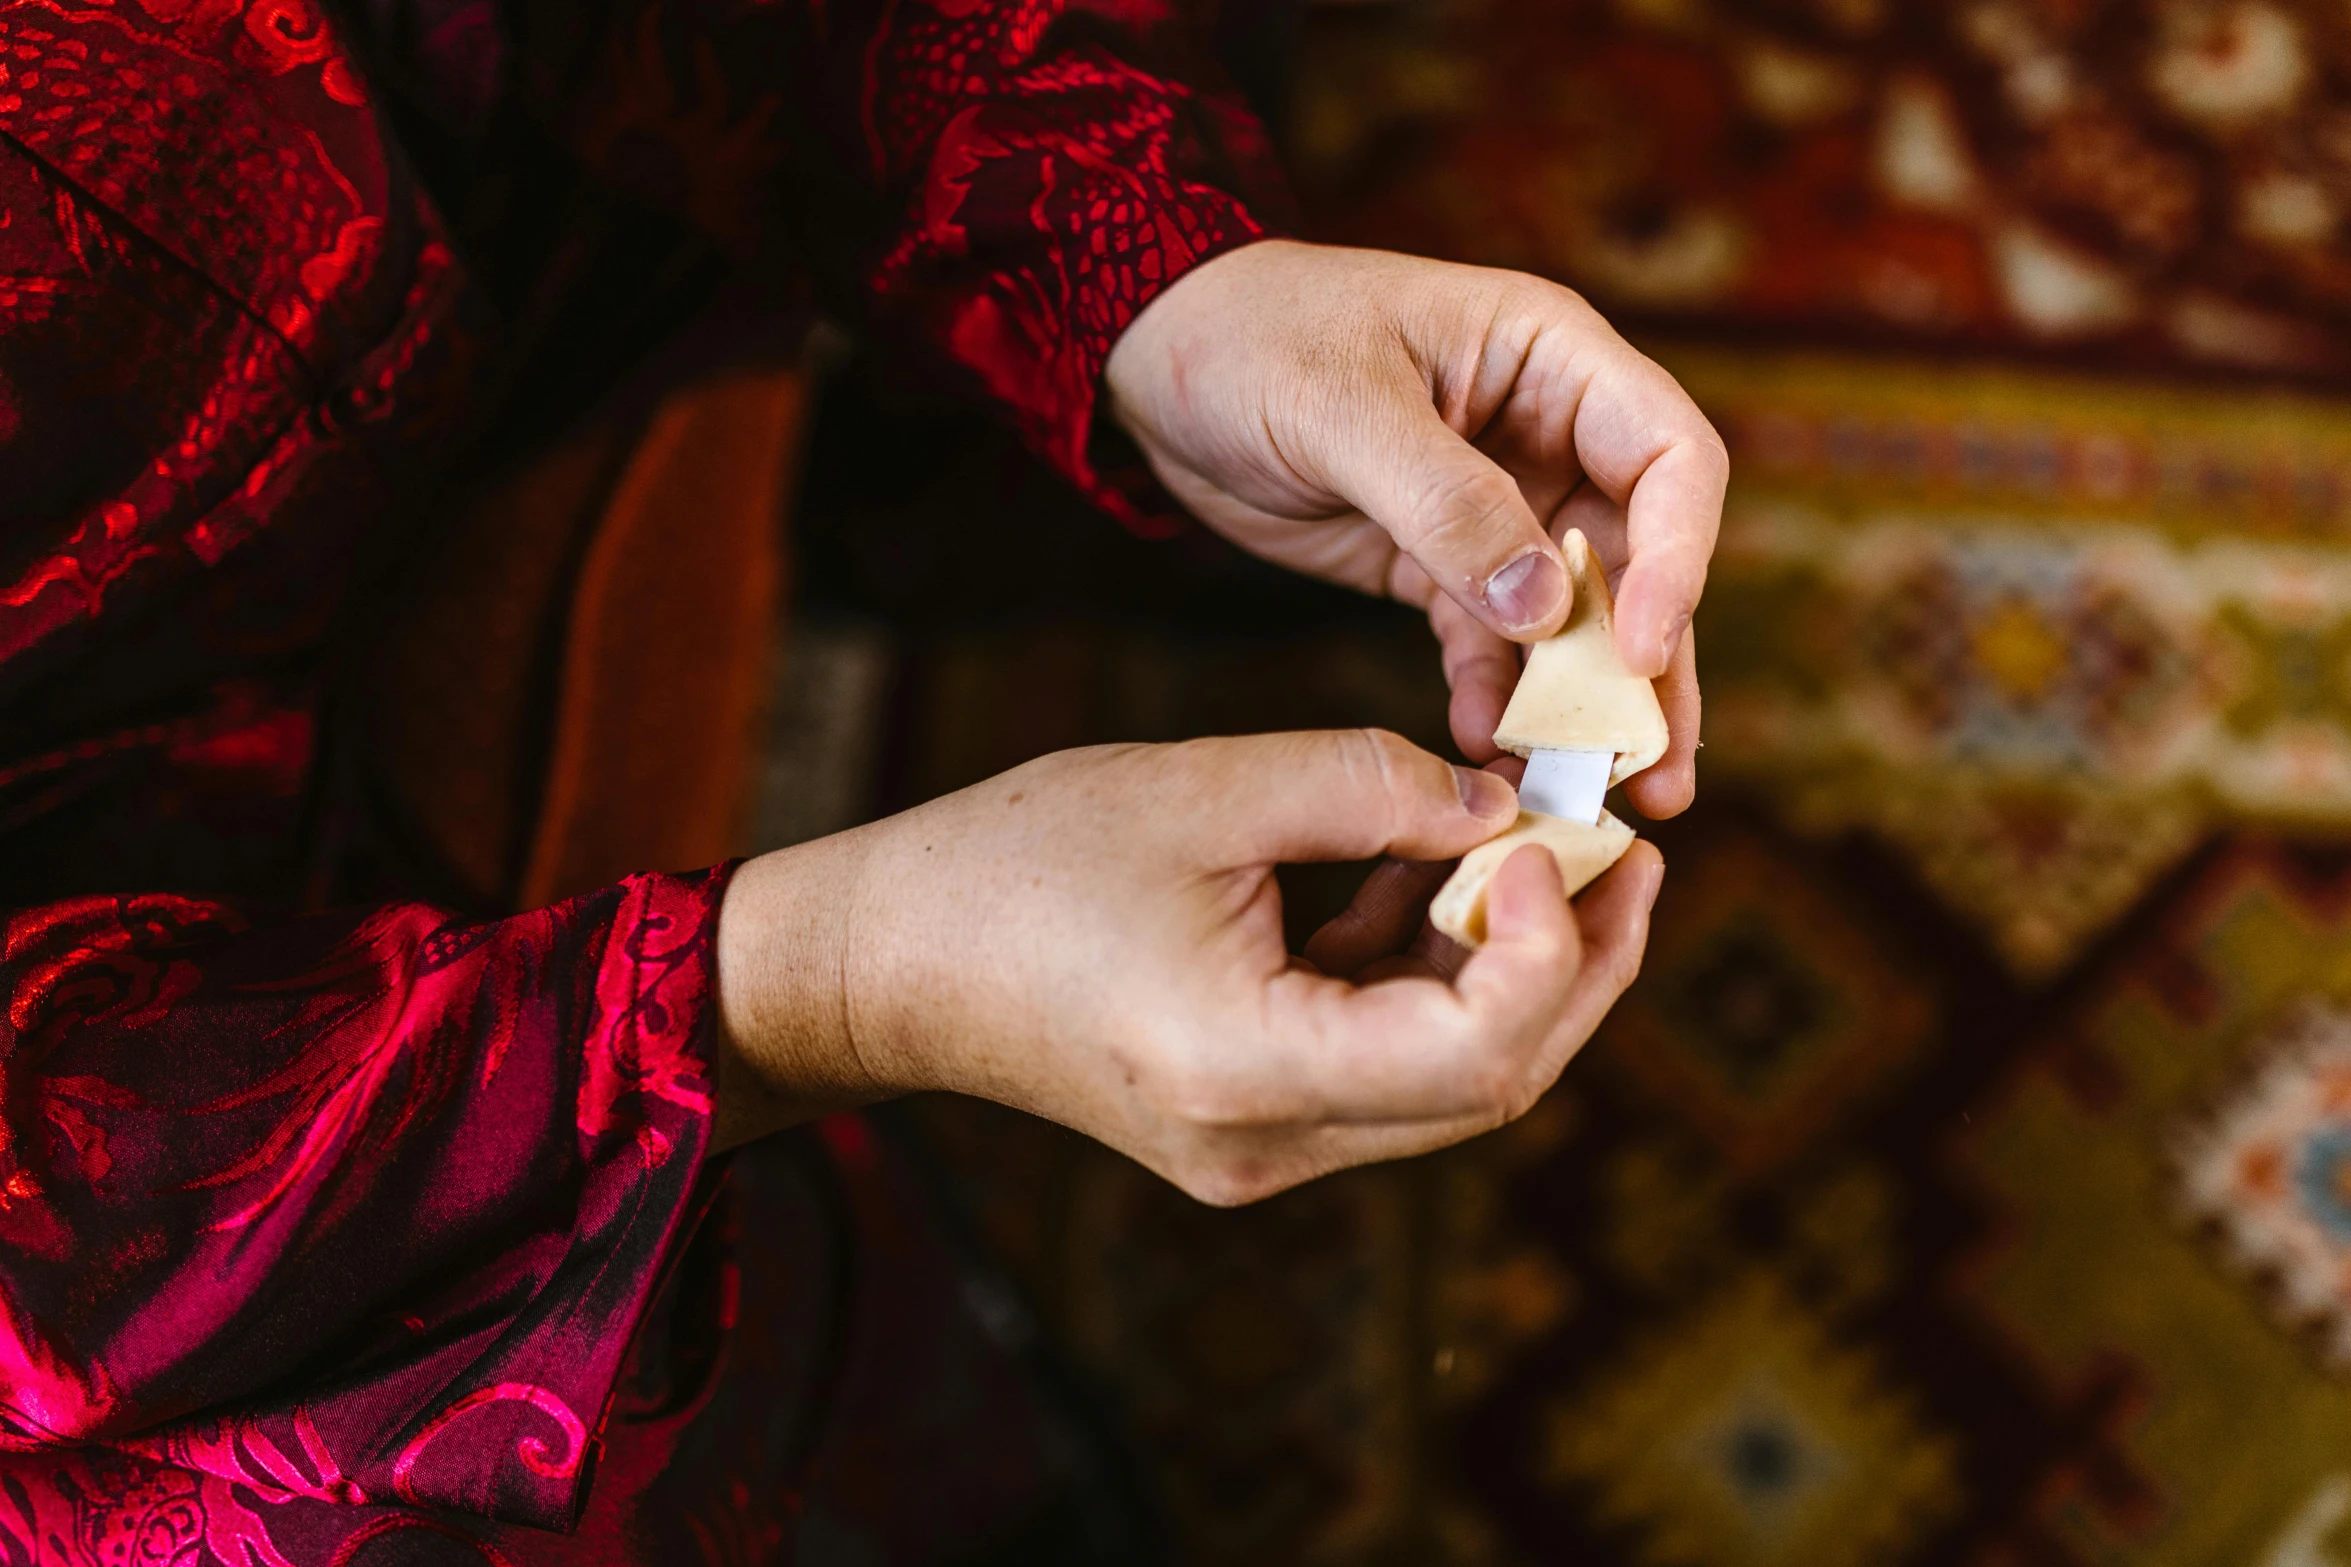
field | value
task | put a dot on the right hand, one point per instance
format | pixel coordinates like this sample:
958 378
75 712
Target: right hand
1429 431
1096 937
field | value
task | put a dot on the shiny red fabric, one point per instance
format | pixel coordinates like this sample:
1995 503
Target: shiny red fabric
330 1238
438 1162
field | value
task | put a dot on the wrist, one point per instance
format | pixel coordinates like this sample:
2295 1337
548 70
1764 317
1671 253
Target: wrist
786 1051
1210 303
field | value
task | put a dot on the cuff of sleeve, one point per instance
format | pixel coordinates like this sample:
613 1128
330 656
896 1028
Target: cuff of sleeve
1052 397
1050 221
1093 453
512 1436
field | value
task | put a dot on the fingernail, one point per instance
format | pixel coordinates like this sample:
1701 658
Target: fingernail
1656 885
1526 592
1671 642
1483 794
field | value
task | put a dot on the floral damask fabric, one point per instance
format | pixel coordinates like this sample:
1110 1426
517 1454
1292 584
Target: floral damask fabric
231 1150
332 1237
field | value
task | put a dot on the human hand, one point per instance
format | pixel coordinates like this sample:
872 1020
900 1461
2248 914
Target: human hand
1096 937
1428 431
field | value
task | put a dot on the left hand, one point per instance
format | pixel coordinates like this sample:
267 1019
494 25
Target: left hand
1096 937
1426 430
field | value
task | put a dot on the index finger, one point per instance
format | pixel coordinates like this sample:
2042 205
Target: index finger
1643 441
1413 1049
1419 1049
1667 787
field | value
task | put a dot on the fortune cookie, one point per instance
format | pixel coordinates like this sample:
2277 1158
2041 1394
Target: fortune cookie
1575 695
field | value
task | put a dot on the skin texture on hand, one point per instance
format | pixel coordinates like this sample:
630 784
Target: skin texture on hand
1428 431
1096 938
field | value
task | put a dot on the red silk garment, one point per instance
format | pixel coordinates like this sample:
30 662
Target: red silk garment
443 1159
386 1235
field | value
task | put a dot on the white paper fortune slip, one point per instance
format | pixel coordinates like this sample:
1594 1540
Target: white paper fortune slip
1567 784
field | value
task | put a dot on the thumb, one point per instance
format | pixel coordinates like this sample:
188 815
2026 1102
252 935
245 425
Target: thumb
1456 513
1346 794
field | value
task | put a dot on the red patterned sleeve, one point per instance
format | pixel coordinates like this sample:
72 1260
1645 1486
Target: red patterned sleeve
1001 184
361 1207
1009 182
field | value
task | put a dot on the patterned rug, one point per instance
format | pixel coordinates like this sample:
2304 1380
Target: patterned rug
1840 1245
2143 183
2042 633
1968 1179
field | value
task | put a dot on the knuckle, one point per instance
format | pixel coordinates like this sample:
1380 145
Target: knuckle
1712 456
1375 762
1495 1083
1717 450
1541 298
1624 966
1420 784
1201 1091
1556 953
1395 757
1201 1099
1225 1184
1524 1097
1537 1084
1454 517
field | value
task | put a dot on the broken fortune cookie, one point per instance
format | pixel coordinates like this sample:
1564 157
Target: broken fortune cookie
1575 696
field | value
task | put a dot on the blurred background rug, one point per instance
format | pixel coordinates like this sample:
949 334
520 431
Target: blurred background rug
1968 1179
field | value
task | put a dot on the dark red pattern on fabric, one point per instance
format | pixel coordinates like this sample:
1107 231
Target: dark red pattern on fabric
1005 185
732 1430
332 1236
241 144
453 1155
1080 184
1108 208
